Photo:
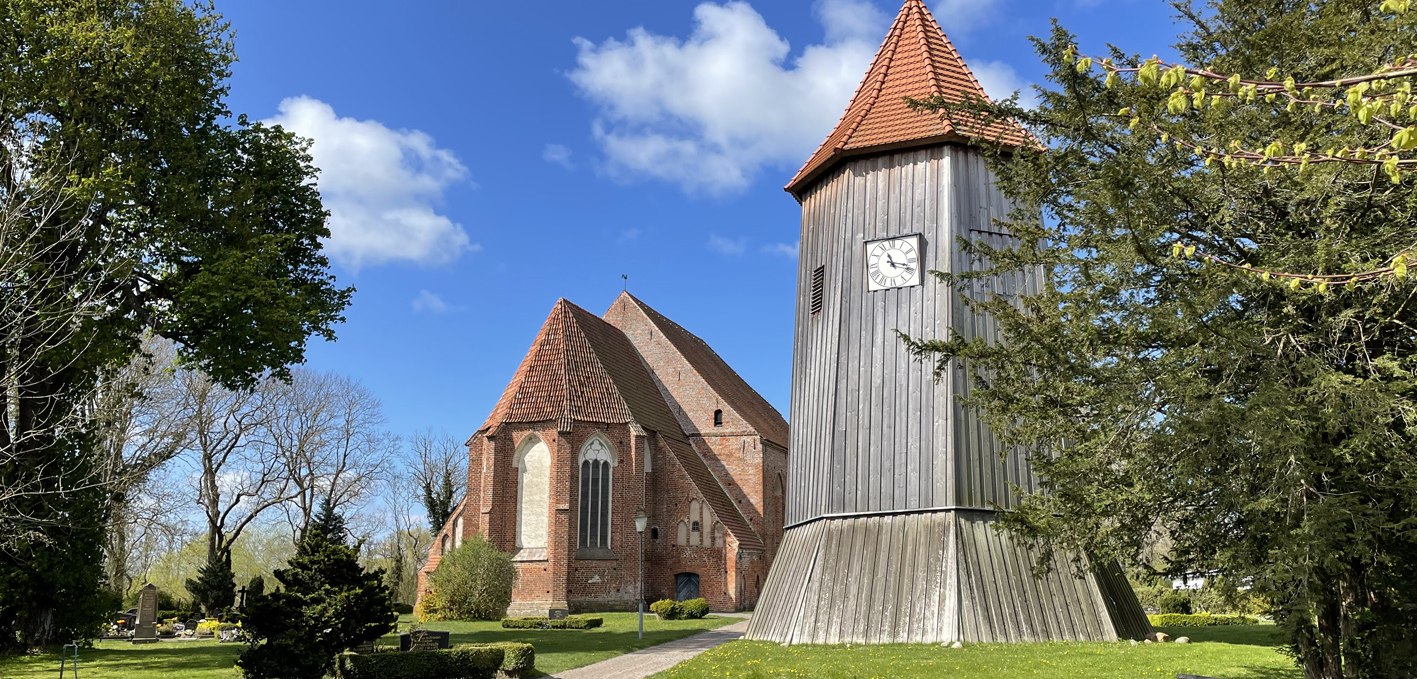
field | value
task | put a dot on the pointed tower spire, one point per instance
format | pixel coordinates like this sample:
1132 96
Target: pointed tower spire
916 60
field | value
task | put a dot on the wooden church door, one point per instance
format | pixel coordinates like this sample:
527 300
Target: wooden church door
686 586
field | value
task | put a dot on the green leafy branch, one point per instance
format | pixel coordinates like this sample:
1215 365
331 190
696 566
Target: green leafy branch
1383 98
1395 268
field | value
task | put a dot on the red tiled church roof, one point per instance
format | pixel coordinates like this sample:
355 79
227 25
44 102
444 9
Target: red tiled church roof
916 60
561 378
581 368
730 387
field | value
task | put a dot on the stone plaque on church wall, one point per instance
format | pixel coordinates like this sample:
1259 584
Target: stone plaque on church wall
145 630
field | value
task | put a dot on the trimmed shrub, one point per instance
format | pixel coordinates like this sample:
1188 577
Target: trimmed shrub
463 662
403 609
667 609
517 658
1198 620
1176 602
693 609
569 622
472 582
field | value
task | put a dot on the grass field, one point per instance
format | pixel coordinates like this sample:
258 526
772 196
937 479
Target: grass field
1237 652
556 650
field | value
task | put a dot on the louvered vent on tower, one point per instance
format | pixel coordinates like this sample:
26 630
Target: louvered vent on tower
819 276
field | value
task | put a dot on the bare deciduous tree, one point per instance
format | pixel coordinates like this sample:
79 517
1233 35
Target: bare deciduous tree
327 431
439 473
139 430
239 476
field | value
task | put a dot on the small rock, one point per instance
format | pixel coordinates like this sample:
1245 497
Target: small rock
1183 640
956 645
1147 641
1135 642
1161 637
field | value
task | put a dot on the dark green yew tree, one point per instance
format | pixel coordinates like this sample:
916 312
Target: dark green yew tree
1223 356
132 204
326 603
214 588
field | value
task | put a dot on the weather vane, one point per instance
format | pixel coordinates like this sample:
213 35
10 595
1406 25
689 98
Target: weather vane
626 285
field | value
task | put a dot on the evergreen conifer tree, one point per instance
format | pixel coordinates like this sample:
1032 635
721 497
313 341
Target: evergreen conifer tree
326 603
214 589
1220 357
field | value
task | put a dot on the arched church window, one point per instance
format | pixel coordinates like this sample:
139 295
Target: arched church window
683 538
718 418
718 535
596 462
443 547
533 463
457 532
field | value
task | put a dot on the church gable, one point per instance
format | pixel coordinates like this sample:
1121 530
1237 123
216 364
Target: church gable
562 378
709 394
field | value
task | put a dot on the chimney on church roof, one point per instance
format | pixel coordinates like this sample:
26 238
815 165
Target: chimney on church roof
916 60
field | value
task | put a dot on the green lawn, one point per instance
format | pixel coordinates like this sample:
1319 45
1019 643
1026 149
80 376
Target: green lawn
1238 652
556 650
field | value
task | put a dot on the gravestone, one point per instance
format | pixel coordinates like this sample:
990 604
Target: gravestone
145 631
424 640
557 613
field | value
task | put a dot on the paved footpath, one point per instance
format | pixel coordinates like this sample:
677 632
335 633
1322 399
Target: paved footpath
647 661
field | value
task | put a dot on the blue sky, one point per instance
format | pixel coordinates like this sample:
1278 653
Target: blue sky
483 159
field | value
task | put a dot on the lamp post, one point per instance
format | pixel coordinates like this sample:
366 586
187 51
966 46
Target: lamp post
640 522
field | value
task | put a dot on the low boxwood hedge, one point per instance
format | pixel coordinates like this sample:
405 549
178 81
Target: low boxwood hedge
1198 620
569 622
472 661
517 658
669 609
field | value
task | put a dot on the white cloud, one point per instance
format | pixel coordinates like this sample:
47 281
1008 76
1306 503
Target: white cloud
628 235
788 250
710 111
727 246
381 187
962 16
427 302
1000 81
557 155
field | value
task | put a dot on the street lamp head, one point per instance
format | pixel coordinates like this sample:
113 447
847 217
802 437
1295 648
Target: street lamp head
640 520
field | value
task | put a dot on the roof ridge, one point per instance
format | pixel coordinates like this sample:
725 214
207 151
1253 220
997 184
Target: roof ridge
893 39
959 59
599 360
730 388
923 41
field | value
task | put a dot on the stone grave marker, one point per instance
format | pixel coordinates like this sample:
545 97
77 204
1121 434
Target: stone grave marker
424 640
557 613
145 630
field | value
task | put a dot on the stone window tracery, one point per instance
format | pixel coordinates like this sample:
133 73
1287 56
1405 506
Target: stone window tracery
597 461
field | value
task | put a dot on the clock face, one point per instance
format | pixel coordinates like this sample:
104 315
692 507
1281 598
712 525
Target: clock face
893 262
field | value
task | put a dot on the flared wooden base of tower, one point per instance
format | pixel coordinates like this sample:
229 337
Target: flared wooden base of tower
934 577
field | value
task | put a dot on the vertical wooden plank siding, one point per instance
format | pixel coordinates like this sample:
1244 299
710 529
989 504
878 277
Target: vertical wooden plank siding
892 482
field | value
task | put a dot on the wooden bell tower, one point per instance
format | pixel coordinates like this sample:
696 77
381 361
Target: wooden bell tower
891 534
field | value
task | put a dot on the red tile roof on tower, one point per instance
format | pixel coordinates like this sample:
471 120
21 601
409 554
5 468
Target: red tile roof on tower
733 389
581 368
916 60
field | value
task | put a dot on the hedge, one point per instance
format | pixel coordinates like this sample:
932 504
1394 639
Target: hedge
517 658
669 609
475 661
1198 620
569 622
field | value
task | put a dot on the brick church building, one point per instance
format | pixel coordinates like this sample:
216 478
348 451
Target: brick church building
608 416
